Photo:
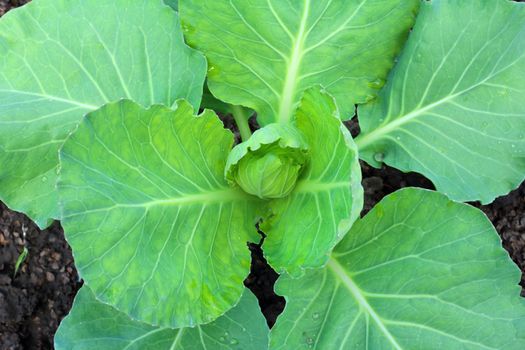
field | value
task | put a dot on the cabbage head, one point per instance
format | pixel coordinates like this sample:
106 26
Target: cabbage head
269 163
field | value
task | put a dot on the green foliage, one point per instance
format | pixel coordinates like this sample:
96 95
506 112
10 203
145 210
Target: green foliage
141 201
98 129
418 272
95 325
270 175
211 102
265 54
60 59
303 227
173 4
156 230
453 108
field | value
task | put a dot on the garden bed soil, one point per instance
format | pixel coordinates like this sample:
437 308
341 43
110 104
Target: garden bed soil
33 302
6 5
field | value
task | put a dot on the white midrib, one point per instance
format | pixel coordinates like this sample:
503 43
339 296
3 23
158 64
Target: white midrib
223 195
177 339
361 300
144 336
219 196
290 83
365 140
51 97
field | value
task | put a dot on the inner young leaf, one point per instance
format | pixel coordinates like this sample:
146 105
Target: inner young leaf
303 227
270 162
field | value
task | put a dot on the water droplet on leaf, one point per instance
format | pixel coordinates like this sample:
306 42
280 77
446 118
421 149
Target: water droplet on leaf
376 84
379 157
44 178
187 28
315 316
234 341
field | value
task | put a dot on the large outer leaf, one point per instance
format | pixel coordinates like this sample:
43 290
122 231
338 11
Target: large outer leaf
454 107
62 58
264 54
418 272
95 325
154 227
303 227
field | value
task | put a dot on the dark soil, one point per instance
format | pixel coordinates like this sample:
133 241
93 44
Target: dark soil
6 5
33 302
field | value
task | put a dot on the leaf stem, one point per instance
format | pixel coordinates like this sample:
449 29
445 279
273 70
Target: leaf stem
241 119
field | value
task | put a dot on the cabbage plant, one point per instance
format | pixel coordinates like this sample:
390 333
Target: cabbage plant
105 127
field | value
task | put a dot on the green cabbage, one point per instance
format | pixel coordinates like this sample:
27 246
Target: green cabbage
269 163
